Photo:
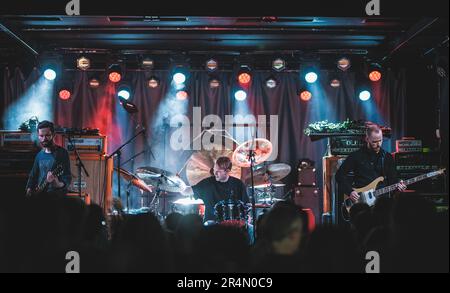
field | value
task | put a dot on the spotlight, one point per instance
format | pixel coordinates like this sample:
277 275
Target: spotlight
271 82
64 94
94 83
364 95
115 73
244 76
124 91
305 95
374 72
179 78
50 74
311 77
343 63
147 63
335 83
214 82
240 95
212 65
182 95
83 63
375 75
278 64
153 82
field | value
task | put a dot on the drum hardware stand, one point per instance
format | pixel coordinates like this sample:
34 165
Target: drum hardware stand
251 156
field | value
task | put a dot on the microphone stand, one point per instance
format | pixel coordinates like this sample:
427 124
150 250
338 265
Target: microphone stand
118 152
79 165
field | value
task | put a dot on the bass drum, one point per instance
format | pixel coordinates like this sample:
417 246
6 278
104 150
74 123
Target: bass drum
231 212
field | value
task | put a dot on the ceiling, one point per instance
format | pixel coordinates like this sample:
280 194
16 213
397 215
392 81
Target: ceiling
378 39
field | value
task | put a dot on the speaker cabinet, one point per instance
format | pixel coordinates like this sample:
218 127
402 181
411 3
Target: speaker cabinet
331 195
308 198
99 183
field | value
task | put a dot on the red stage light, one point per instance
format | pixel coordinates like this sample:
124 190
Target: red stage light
305 95
182 95
114 76
244 78
64 94
375 75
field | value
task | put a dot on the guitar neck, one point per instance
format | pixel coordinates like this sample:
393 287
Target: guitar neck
393 187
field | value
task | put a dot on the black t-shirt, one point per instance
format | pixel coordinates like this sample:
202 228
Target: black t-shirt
212 191
366 166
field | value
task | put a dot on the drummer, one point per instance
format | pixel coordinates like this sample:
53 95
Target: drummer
220 186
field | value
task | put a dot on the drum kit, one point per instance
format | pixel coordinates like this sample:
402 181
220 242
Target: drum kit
264 178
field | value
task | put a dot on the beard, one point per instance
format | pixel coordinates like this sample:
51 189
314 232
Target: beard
47 144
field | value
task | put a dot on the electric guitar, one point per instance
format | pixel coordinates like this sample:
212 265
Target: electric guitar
368 194
42 187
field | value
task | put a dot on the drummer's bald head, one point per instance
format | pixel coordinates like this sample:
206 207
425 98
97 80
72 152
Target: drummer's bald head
224 163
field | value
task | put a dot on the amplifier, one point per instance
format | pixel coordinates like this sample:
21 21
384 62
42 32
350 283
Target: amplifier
16 140
416 159
408 145
94 144
344 145
17 162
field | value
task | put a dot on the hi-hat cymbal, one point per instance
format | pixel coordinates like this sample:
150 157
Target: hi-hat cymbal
265 174
261 147
201 162
160 178
136 181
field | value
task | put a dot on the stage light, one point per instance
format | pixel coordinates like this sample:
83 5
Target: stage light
83 63
124 94
335 83
64 94
271 82
214 82
311 77
240 95
179 78
278 64
153 82
343 63
212 65
50 74
364 95
124 91
94 83
114 76
182 95
305 95
375 75
147 63
115 73
244 76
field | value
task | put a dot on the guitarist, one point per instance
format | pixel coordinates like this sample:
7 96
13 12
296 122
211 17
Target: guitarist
49 158
367 164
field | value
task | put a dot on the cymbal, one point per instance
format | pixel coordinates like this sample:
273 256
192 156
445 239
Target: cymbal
136 181
265 174
268 184
262 149
163 179
201 162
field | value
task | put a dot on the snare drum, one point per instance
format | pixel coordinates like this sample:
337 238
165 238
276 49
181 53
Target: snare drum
230 212
189 206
